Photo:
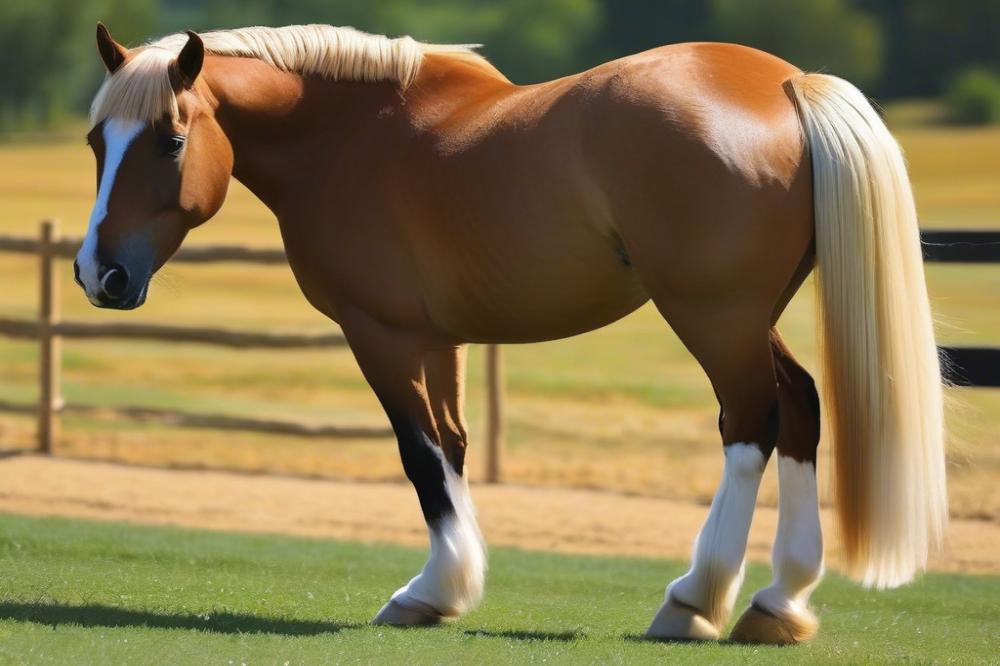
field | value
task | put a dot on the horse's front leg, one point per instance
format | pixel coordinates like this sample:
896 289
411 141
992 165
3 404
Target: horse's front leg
451 582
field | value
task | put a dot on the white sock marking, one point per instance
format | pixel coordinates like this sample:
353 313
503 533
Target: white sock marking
118 136
451 581
798 547
716 570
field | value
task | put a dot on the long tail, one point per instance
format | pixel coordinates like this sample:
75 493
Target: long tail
882 377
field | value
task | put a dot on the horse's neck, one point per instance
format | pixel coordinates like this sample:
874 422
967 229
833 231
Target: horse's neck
282 125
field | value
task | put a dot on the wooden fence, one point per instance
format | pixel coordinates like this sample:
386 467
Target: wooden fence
49 330
968 366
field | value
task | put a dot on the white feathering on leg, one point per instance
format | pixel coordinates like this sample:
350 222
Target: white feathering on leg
716 571
451 581
798 546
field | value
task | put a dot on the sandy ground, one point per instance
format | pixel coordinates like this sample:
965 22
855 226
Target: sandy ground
574 521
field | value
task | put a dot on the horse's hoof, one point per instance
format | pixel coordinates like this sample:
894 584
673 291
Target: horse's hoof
758 626
398 615
677 622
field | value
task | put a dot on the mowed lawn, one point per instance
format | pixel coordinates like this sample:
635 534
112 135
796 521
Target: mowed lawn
96 593
624 408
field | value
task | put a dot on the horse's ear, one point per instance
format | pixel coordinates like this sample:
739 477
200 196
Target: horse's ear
188 64
112 53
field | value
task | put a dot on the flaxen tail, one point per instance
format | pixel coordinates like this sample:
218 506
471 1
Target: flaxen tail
882 378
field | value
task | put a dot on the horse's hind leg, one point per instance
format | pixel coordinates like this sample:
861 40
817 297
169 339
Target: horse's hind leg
779 614
732 346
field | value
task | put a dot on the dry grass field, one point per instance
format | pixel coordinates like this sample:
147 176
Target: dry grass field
623 408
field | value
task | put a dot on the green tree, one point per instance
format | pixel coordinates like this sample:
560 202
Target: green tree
943 38
49 64
637 25
528 40
890 47
824 35
973 97
36 66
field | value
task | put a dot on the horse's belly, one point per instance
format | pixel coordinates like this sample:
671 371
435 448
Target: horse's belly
521 293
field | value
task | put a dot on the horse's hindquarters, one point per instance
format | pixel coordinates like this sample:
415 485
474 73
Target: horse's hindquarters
708 182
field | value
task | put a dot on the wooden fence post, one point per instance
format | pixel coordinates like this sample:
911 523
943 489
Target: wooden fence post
49 344
494 412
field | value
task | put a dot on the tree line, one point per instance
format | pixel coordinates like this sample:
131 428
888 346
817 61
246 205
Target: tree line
891 48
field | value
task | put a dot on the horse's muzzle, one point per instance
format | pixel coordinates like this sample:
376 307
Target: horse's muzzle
117 289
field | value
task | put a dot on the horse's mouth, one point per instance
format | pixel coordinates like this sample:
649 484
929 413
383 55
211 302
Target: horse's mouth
128 303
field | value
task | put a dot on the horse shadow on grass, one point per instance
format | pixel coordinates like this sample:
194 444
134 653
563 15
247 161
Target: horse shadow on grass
574 635
642 638
526 635
96 615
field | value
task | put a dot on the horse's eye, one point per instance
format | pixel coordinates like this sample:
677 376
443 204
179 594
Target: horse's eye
174 145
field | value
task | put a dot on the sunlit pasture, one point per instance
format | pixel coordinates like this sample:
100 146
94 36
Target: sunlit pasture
623 408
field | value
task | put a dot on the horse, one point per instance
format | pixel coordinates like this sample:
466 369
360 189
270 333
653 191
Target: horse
426 202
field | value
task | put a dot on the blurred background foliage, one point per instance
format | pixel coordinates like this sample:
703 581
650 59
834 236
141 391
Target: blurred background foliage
892 48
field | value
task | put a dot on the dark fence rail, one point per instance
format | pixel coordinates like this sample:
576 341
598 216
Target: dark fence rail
972 365
961 247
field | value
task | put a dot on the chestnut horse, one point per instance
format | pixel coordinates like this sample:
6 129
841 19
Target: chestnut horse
426 202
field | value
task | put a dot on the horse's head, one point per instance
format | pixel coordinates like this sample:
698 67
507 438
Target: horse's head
163 166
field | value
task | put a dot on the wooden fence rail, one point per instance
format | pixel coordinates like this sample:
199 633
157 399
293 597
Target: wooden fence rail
31 330
966 366
49 331
961 247
67 248
209 421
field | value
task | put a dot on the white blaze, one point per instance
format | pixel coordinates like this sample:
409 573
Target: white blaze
118 136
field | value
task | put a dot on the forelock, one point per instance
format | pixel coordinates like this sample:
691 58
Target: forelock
139 90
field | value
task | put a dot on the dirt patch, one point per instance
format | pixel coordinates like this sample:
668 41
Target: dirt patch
574 521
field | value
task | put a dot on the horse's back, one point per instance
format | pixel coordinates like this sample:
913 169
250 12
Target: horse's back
564 205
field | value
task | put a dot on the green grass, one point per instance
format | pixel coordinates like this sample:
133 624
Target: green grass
79 592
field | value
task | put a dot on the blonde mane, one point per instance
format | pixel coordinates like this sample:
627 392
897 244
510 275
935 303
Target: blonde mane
141 89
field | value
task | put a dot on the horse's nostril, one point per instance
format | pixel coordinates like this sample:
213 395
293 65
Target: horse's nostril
76 272
115 282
